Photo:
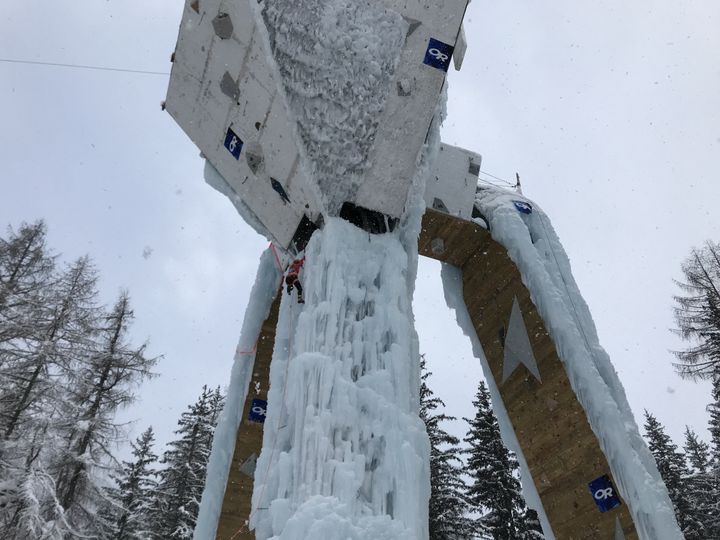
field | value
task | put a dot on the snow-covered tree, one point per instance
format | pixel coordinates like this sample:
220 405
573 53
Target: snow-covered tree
65 368
26 267
714 458
697 313
701 492
61 332
674 472
182 479
130 511
448 512
26 275
48 320
495 491
714 411
100 383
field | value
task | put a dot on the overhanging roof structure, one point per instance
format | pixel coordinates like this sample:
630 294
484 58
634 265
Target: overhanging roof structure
231 95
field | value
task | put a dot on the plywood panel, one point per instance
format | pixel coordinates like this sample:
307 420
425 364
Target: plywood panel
559 446
235 511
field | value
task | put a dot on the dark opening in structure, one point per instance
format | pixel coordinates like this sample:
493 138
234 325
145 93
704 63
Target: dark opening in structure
476 214
303 234
368 220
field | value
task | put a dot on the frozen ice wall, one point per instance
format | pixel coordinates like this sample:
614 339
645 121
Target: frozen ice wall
545 269
344 451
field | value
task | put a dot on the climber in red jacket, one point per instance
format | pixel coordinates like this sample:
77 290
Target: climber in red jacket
293 278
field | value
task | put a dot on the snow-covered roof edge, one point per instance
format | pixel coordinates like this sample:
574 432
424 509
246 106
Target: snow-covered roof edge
535 248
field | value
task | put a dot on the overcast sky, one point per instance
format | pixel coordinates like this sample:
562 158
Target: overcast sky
608 110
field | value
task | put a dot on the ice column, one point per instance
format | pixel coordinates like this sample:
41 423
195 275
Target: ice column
345 455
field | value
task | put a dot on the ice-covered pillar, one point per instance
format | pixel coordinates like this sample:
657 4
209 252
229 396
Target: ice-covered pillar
345 454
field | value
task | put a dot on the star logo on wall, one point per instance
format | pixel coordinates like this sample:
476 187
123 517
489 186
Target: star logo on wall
518 349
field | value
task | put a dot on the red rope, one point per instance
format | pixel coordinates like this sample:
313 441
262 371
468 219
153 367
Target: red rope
277 259
253 351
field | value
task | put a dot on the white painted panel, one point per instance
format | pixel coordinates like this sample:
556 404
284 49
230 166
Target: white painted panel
460 49
220 84
217 84
411 105
453 181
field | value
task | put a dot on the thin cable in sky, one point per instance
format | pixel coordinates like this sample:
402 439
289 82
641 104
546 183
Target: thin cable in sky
142 72
80 66
488 182
497 178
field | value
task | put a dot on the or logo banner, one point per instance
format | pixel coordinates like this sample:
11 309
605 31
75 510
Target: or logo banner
233 143
258 409
438 54
523 207
604 494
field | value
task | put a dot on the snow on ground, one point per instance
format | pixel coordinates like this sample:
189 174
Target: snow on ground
545 269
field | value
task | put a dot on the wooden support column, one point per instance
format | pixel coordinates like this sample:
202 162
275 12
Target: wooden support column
561 450
236 506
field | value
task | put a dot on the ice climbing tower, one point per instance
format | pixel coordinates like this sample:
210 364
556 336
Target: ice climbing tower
319 120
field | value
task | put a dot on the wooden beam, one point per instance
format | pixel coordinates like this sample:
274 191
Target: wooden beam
561 450
236 506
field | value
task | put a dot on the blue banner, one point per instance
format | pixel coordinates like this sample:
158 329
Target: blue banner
604 494
233 143
258 410
438 54
523 207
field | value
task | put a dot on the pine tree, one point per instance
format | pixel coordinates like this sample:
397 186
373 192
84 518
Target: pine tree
495 491
65 368
449 507
714 426
701 499
713 522
533 527
26 275
183 479
698 313
674 472
26 267
100 383
130 514
60 333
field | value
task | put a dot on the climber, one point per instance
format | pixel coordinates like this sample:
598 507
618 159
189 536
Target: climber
293 278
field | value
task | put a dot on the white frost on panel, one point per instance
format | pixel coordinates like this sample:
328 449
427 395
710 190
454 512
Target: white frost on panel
345 455
545 269
261 299
335 58
453 288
